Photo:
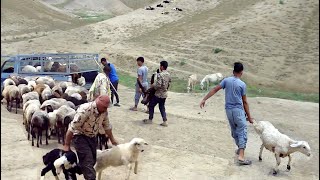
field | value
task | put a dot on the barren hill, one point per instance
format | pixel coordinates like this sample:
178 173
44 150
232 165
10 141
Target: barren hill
278 42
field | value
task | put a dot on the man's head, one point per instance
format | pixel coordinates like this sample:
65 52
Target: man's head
104 61
163 65
102 102
140 61
238 69
106 70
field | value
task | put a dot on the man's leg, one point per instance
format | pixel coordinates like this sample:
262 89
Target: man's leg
153 102
230 117
162 109
86 152
136 98
115 85
241 133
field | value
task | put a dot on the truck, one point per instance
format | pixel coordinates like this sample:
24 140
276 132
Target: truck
59 66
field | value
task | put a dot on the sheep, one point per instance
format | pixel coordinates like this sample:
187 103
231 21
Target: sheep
55 103
64 115
75 89
165 1
32 85
177 9
159 5
23 89
149 8
192 80
29 96
64 85
11 93
46 94
48 64
30 109
164 12
38 68
8 82
29 69
46 80
75 98
38 123
102 139
210 78
122 154
280 144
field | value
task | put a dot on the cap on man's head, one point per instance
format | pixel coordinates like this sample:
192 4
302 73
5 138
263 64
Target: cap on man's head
102 101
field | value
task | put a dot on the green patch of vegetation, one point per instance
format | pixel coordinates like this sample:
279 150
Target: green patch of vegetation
217 50
180 86
93 18
281 2
183 62
86 42
61 5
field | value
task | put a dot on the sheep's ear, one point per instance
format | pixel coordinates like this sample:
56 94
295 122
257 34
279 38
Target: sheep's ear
296 144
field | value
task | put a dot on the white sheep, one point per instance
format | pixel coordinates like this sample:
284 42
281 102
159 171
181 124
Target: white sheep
46 94
11 93
64 115
55 103
122 154
81 81
32 84
210 78
75 89
280 144
23 89
29 96
46 80
8 82
29 69
38 68
28 112
192 80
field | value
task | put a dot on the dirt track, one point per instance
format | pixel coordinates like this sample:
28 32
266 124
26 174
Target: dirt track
196 145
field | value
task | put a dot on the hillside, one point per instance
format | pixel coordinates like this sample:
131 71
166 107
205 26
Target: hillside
278 43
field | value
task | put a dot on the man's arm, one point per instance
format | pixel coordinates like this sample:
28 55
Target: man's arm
246 108
108 129
75 125
211 93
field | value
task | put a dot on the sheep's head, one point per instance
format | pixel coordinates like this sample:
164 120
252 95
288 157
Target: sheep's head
139 144
302 146
201 86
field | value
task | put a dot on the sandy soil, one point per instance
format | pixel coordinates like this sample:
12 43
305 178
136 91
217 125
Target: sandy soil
196 144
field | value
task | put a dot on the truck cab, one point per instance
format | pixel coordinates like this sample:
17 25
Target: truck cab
58 66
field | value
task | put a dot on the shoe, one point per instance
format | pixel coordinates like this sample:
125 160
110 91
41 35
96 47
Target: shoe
244 162
164 124
117 104
147 121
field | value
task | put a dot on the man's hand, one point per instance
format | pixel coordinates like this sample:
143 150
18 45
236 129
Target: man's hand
202 103
113 141
66 147
250 120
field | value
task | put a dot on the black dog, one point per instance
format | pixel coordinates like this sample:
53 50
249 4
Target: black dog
57 160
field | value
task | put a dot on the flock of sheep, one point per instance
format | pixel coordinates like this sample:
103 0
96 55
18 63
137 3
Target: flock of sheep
50 106
210 78
161 6
47 105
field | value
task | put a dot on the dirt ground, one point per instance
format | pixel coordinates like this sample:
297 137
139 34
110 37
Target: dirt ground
196 144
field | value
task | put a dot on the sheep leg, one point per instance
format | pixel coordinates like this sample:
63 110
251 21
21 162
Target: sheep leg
276 169
288 166
62 135
28 131
17 104
135 170
32 136
99 175
129 166
47 136
40 135
260 153
38 138
58 134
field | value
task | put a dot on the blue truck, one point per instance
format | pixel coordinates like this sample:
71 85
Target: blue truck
58 66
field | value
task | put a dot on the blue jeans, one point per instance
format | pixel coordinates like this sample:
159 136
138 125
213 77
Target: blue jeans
138 94
153 102
238 125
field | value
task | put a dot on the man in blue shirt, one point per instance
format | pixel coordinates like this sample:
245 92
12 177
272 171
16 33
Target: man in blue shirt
114 80
236 107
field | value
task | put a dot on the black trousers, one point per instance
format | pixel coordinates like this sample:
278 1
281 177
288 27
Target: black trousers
87 154
113 92
153 102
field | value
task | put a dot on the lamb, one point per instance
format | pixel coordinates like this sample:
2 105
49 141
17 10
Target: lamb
29 69
210 78
75 89
38 123
123 154
280 144
11 93
46 80
192 80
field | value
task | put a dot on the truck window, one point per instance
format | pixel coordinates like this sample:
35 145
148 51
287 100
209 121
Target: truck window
7 67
